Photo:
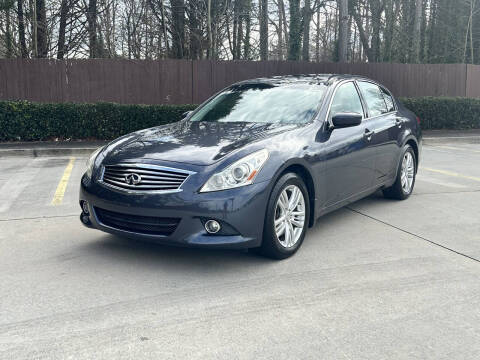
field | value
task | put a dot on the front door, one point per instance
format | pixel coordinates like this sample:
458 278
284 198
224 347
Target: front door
350 160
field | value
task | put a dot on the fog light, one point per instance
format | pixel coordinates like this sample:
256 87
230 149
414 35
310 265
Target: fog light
84 218
212 226
85 208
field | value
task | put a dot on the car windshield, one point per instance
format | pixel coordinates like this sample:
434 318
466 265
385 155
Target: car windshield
264 103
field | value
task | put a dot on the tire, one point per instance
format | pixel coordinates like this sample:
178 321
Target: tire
284 246
398 190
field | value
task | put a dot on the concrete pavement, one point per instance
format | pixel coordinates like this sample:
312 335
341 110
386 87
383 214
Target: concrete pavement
379 279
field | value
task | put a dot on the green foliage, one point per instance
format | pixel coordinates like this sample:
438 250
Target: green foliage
445 112
26 121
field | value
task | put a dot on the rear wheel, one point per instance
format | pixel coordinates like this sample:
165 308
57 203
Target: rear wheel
286 219
405 181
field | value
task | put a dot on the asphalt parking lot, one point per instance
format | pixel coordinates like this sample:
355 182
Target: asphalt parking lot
380 279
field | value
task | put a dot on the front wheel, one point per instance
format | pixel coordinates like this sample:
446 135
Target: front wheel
287 217
406 174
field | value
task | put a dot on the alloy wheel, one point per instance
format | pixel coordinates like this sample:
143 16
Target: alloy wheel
407 172
289 216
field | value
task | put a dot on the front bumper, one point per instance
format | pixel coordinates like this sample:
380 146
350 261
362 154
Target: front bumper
243 209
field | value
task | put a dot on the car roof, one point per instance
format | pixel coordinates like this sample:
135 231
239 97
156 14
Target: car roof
325 79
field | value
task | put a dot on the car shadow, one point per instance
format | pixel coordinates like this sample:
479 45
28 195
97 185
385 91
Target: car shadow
148 254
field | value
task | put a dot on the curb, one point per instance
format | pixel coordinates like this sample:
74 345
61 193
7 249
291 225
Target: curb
41 152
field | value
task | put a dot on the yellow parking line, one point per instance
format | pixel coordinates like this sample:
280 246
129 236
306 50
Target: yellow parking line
62 185
457 148
450 173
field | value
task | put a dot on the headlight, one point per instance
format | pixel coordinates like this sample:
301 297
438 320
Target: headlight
91 162
240 173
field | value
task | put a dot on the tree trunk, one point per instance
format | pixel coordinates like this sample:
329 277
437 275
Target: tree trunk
236 24
476 35
376 10
282 14
431 31
307 18
246 41
178 28
388 34
354 46
317 38
92 27
363 38
238 48
423 31
194 29
209 30
21 29
295 31
343 31
8 33
64 7
469 34
42 49
110 10
280 29
472 10
33 13
164 27
416 31
264 30
239 38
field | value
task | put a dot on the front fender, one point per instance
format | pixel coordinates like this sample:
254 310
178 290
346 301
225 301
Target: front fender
305 170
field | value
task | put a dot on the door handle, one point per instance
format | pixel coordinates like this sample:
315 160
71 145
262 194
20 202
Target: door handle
398 122
368 134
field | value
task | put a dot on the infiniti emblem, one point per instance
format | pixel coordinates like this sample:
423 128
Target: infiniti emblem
133 179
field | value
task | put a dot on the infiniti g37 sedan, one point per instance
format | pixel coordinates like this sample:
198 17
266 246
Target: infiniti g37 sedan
255 165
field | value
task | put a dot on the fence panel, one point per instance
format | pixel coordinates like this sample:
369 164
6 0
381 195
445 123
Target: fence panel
473 81
185 81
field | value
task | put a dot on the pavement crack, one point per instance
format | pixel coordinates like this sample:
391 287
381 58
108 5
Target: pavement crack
39 217
415 235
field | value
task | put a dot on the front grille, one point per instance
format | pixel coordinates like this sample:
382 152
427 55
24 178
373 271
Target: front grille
137 224
143 177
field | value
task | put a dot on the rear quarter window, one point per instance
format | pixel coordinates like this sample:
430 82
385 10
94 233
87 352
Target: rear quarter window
388 100
374 98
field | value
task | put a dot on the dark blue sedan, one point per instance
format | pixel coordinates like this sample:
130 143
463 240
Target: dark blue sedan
255 165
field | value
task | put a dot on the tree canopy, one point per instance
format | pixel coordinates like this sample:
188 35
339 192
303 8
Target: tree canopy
404 31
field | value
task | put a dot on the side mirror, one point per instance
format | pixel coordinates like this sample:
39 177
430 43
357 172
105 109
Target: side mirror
342 120
186 113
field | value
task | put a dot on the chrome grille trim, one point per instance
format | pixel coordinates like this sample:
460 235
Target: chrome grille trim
154 178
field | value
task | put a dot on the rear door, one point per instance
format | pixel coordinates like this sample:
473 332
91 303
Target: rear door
350 162
383 120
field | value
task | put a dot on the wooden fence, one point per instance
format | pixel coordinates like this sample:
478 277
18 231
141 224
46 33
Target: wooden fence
186 81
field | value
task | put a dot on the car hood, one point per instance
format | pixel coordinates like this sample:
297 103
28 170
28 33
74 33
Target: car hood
197 143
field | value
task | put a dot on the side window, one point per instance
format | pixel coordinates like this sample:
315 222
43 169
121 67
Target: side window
373 97
346 100
388 100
